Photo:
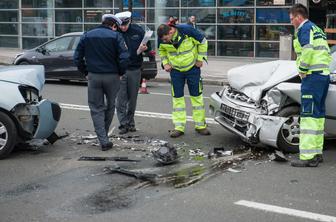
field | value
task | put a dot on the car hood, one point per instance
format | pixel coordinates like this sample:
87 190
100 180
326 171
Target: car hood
31 75
253 79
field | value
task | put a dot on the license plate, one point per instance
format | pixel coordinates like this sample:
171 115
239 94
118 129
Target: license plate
234 112
146 59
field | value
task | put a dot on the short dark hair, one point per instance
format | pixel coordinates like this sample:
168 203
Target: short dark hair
109 23
162 30
299 9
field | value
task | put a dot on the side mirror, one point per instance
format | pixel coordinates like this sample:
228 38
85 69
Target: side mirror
41 50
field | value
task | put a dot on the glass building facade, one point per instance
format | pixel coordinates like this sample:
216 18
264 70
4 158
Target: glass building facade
239 28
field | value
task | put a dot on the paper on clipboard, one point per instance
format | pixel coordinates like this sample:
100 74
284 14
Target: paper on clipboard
145 39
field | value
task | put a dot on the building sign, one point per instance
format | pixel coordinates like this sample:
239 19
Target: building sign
279 2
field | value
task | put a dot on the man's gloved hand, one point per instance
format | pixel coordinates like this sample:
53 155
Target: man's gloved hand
199 64
302 75
167 67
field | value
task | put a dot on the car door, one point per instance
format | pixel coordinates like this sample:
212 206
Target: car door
73 72
54 57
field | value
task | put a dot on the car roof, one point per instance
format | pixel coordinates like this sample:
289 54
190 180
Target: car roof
72 33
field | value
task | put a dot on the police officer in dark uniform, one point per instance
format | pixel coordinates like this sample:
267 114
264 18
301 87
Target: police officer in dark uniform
102 55
129 85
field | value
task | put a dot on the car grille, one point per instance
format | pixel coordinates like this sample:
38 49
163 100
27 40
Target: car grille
234 114
233 94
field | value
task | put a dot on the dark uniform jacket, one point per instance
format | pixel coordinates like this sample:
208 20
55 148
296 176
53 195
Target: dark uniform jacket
133 37
104 51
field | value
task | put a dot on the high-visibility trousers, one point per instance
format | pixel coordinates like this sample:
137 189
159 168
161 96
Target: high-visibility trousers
314 90
194 82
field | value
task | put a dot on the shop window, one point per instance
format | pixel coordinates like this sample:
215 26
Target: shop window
273 32
68 16
198 3
8 16
272 15
206 15
235 2
29 43
9 29
235 32
61 29
241 49
241 15
98 3
10 42
37 3
275 2
68 3
267 49
9 4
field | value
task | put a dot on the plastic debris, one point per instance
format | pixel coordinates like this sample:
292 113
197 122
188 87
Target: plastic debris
278 156
165 154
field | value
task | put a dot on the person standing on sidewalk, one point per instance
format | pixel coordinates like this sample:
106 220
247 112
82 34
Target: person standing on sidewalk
182 50
103 55
313 59
130 82
192 21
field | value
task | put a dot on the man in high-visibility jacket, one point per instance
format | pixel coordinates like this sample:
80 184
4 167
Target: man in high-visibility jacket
313 59
182 50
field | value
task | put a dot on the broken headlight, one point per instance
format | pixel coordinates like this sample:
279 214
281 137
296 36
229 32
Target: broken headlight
30 94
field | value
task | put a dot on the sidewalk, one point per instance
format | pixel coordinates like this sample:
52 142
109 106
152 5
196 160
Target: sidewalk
213 73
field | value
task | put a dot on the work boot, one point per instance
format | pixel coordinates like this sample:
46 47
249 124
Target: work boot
175 133
306 163
319 158
203 132
123 130
132 129
106 146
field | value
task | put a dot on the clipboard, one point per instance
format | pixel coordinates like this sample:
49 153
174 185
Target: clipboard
145 39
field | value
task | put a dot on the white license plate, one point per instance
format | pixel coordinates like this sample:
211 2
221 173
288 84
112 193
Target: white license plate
146 59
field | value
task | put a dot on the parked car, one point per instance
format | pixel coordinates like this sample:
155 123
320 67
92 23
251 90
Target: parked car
261 104
24 115
57 57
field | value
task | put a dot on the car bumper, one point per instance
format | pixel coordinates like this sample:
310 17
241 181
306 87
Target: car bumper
246 122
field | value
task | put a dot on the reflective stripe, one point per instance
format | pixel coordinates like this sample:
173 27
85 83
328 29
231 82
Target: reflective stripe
198 107
203 41
181 53
179 124
199 123
302 64
178 109
202 53
308 46
321 47
164 57
319 66
312 132
303 151
182 67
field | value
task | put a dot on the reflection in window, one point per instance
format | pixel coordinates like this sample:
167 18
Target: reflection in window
8 16
272 32
42 15
208 30
167 3
98 3
61 29
37 3
28 43
68 16
9 4
162 16
198 3
37 29
235 49
88 27
235 2
136 3
272 15
95 15
9 29
75 43
235 15
59 45
11 42
271 2
211 48
267 49
206 15
68 3
235 32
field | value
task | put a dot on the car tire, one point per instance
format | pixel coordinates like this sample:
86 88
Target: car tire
289 134
24 63
8 135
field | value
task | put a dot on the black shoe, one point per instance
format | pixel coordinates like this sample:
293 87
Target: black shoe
123 130
204 132
106 146
132 129
319 158
306 163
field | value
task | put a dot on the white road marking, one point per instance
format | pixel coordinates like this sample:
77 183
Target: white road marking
137 113
287 211
166 94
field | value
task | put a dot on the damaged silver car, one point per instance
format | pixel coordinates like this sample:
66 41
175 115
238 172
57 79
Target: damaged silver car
24 115
261 104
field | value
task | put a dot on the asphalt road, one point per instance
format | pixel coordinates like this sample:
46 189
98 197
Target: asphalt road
48 183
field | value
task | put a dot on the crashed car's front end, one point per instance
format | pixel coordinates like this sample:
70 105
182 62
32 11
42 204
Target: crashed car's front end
246 106
28 115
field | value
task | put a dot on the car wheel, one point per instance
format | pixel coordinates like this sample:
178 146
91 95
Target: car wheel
24 63
8 135
289 134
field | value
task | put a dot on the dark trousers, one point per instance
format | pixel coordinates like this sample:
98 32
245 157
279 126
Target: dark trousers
102 92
